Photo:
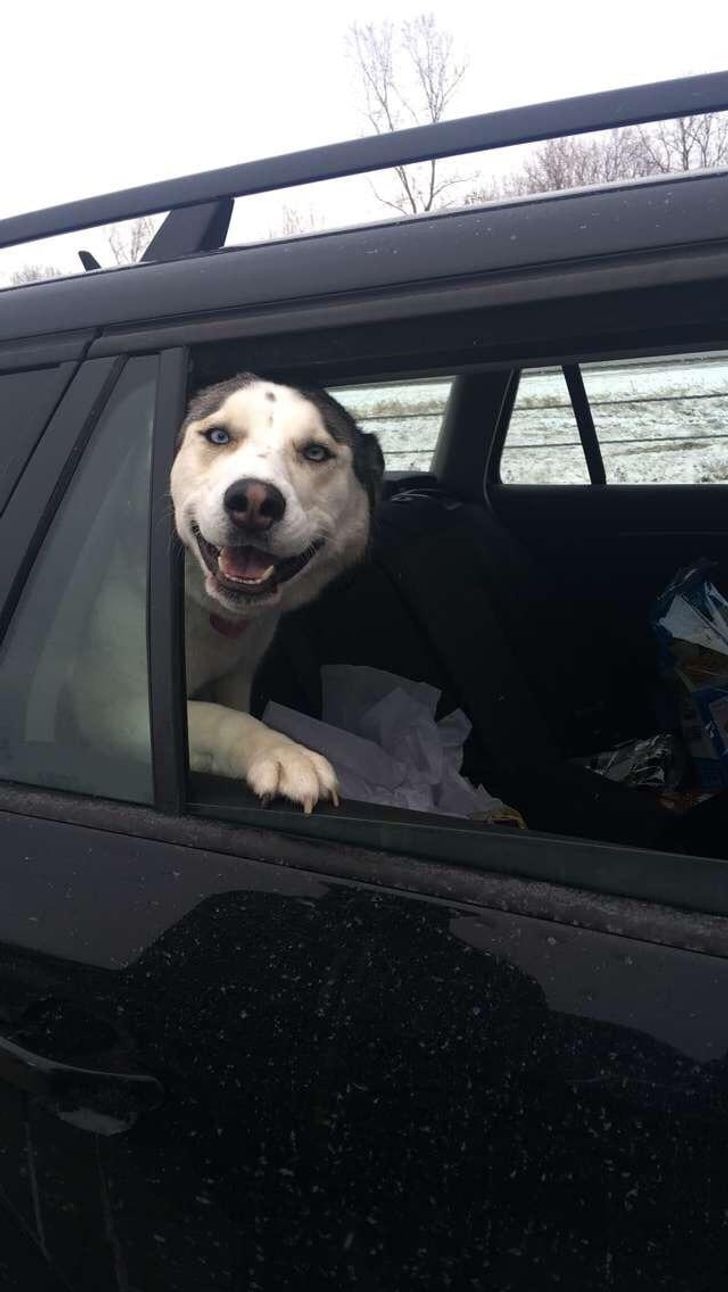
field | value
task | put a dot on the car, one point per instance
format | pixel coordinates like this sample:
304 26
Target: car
373 1047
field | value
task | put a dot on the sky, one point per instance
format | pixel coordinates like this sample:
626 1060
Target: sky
96 98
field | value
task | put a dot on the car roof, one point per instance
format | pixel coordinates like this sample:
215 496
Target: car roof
581 114
187 272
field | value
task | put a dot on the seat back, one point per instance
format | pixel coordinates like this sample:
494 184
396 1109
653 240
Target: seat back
441 599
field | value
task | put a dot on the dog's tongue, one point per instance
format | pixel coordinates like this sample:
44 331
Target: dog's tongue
246 563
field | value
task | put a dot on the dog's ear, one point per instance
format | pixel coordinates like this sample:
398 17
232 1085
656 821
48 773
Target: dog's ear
369 465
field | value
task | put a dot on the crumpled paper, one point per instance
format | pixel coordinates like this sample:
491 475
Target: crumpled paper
379 732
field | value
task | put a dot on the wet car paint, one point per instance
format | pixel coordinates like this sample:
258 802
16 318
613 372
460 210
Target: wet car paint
361 1087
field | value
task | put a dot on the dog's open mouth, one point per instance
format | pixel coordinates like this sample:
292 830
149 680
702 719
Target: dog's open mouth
248 571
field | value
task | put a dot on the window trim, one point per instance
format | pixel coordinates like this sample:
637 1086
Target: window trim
614 870
165 596
581 409
44 352
499 886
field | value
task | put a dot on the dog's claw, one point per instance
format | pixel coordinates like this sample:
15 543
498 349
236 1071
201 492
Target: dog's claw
289 771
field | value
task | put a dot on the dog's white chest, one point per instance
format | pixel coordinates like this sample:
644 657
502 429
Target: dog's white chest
212 653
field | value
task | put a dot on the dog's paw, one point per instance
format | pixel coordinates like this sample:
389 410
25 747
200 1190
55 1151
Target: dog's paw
289 771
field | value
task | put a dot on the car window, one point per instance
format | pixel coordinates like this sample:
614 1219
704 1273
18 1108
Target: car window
660 420
84 604
405 415
543 445
27 400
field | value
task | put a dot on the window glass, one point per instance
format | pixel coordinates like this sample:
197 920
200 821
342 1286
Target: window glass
542 445
27 400
405 415
662 421
73 665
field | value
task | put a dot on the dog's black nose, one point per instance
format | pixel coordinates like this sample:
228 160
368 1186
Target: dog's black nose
254 504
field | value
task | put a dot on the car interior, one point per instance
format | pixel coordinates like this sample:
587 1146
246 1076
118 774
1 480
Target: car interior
526 605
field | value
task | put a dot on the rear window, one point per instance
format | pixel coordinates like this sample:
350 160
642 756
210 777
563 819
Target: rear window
543 444
662 420
406 416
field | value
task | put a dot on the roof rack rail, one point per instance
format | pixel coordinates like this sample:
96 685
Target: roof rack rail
584 114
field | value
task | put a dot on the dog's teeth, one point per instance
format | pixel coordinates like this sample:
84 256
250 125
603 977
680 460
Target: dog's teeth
261 577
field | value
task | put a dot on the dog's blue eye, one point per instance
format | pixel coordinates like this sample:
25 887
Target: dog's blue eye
217 436
315 452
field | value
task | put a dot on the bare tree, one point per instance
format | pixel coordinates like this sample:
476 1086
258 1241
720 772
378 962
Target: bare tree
576 162
33 274
295 220
571 162
489 190
408 75
688 143
129 241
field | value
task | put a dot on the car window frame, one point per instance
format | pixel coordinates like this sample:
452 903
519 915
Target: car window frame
165 596
611 870
365 839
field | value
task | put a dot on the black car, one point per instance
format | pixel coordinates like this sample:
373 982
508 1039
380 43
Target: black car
374 1048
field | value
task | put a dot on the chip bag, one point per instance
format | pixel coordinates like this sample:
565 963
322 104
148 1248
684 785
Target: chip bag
650 763
690 620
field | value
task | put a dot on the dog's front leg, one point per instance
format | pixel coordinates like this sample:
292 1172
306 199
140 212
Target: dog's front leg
228 743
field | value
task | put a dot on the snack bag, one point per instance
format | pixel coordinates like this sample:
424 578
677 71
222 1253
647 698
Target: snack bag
651 763
690 620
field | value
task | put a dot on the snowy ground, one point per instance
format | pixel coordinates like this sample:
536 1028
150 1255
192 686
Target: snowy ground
658 422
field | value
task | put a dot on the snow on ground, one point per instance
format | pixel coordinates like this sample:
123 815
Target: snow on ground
658 422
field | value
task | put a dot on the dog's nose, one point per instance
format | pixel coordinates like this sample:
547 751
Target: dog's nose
254 504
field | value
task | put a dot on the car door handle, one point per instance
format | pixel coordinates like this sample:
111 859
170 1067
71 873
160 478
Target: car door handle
105 1103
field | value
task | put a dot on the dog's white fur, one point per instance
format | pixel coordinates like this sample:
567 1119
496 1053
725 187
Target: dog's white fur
269 425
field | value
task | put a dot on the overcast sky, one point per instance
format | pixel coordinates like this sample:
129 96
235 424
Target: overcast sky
95 97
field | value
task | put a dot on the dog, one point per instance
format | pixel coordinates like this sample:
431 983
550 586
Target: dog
273 488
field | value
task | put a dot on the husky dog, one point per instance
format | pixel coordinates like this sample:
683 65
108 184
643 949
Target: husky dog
273 489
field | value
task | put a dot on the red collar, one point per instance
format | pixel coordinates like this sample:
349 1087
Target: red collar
229 627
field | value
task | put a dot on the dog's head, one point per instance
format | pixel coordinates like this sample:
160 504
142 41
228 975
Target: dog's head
273 489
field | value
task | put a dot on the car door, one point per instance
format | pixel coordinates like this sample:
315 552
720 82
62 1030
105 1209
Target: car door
236 1055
